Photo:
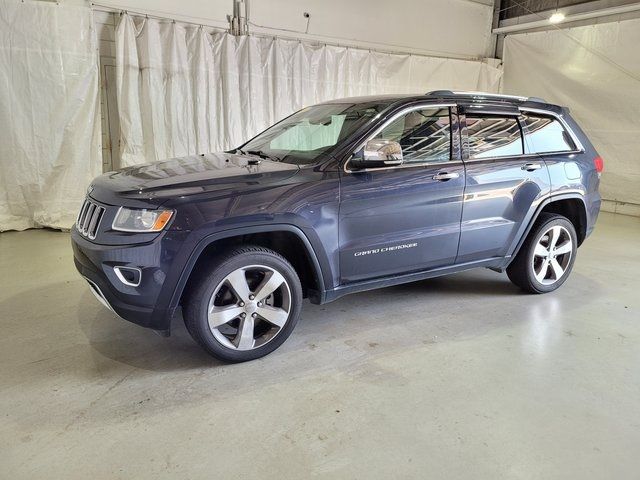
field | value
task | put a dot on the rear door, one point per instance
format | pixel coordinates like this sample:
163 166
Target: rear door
502 182
400 219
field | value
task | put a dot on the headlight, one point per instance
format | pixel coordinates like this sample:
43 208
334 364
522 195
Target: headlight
133 220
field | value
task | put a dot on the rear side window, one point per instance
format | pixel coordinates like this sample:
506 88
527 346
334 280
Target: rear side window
545 135
493 136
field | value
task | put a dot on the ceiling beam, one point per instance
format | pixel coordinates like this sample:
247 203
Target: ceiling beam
544 22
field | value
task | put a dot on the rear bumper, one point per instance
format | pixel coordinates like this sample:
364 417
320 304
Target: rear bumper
593 202
140 304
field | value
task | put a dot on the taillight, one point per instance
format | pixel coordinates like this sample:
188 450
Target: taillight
599 164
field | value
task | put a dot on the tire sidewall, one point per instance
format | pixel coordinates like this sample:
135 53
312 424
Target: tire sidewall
199 304
540 231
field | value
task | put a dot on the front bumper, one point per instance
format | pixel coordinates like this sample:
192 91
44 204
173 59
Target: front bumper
95 289
142 304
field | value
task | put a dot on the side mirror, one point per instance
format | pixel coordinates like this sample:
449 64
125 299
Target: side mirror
378 153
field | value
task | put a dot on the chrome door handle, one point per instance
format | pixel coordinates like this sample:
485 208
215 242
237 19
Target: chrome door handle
444 176
530 167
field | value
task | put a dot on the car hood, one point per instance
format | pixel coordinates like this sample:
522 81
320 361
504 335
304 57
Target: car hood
188 175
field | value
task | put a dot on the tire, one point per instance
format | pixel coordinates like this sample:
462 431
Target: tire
536 268
227 313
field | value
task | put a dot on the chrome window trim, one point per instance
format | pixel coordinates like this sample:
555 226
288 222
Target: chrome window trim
576 141
504 157
453 163
559 118
384 125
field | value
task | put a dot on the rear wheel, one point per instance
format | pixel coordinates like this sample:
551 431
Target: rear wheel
546 258
246 306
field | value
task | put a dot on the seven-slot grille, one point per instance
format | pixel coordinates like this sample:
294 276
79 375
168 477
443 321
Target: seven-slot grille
89 219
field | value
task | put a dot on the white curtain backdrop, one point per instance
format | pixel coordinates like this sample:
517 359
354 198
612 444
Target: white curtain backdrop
49 113
595 71
182 90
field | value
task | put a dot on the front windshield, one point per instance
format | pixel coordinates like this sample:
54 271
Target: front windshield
313 132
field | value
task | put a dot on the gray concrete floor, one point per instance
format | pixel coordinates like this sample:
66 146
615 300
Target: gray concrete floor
458 377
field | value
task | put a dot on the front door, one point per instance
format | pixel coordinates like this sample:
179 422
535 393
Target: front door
396 220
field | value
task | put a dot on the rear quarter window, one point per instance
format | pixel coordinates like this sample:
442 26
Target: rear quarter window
544 134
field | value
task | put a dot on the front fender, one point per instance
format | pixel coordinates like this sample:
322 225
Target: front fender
313 247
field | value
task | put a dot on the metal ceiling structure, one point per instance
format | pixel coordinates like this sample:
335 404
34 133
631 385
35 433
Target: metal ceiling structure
518 8
512 16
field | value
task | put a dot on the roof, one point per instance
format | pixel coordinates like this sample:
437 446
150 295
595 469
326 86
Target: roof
483 96
443 95
389 98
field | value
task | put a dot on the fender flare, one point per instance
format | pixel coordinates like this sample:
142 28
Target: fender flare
546 201
221 235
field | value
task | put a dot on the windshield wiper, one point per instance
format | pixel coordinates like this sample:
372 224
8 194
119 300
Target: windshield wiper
257 153
261 154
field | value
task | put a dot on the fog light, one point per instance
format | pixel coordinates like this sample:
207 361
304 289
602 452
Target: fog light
130 276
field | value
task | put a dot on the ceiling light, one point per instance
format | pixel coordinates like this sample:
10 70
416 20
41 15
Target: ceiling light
557 17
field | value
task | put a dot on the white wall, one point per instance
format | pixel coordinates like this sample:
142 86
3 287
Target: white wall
594 70
452 28
442 27
375 24
183 91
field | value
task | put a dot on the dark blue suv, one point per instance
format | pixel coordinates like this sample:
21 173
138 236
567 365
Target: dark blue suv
341 197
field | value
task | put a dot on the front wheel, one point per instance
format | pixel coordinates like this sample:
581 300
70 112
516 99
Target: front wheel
546 258
245 306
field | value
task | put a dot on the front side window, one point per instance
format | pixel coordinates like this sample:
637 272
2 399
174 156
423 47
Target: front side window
545 135
493 136
424 135
313 133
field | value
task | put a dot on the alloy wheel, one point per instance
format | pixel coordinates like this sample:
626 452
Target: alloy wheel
552 255
249 307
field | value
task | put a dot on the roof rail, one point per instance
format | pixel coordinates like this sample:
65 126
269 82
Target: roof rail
439 93
449 93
